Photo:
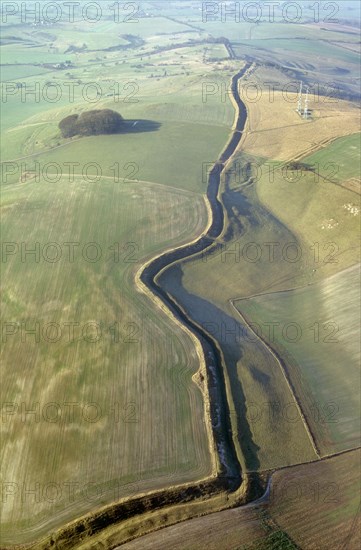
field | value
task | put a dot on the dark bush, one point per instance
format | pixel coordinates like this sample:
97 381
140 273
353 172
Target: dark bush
92 123
68 126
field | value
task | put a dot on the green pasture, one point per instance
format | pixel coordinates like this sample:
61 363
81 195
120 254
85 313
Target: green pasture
123 354
341 159
315 332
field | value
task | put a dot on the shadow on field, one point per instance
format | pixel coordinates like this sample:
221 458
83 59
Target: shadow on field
137 126
205 314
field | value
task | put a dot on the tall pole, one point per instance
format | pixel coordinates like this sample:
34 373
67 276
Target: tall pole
299 108
305 113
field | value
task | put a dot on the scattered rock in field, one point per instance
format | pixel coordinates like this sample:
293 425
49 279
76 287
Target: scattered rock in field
352 209
329 224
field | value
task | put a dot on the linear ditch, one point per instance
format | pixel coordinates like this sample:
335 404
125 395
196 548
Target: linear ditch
215 376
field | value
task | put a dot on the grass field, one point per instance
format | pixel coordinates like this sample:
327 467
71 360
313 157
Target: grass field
324 216
315 331
277 132
148 156
304 48
345 154
121 356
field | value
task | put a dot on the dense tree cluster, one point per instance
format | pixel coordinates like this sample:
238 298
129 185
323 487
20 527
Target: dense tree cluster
92 123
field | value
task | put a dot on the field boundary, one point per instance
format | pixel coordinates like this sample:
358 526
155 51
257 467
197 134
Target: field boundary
288 381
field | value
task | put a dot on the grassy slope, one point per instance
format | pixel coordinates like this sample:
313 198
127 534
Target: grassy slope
323 361
167 442
344 153
318 214
172 155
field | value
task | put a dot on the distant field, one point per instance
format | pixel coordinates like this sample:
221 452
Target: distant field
163 75
314 48
11 72
315 332
16 53
217 51
277 29
280 30
277 132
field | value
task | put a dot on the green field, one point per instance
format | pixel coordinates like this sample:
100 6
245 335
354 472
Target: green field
341 159
304 47
147 156
315 331
323 216
137 356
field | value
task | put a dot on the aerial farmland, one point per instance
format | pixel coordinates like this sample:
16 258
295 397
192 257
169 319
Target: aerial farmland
180 275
